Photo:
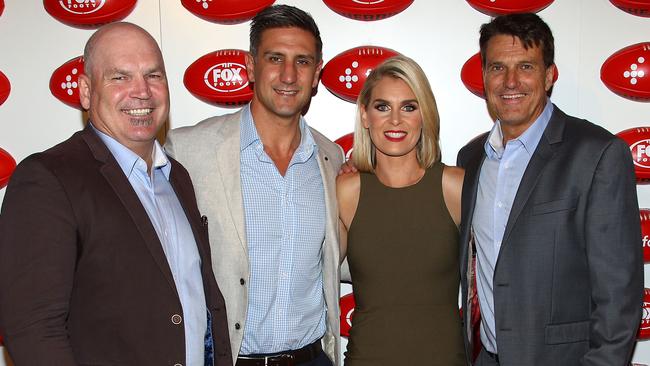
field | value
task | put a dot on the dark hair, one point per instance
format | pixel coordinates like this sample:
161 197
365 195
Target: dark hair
283 16
531 30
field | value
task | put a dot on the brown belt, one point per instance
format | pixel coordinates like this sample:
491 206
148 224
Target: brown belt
287 358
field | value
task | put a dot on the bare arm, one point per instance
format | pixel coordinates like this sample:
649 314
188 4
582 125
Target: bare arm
347 196
452 187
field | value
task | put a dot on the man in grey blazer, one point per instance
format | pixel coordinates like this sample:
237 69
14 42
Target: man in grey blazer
549 218
266 181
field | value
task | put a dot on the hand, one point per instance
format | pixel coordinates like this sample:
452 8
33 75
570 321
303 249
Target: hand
347 168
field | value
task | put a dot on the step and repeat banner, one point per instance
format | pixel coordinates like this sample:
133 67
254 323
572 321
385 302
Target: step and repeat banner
602 57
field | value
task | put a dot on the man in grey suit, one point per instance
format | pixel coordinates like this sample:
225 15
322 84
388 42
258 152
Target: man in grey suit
266 181
549 217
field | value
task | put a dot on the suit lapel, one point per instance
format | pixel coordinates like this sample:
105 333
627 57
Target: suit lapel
122 188
228 163
542 155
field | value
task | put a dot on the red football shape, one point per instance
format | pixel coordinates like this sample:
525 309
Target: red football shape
64 82
644 327
7 166
644 215
634 7
345 74
5 88
226 11
2 8
220 78
346 142
368 9
627 72
500 7
639 141
88 13
346 303
472 75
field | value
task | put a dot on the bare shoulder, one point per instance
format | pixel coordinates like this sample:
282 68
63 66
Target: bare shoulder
452 188
453 176
347 196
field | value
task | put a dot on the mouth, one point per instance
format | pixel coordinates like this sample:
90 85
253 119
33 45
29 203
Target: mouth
512 97
138 112
395 136
286 92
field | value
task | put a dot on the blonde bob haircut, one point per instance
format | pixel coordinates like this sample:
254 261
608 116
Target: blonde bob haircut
428 147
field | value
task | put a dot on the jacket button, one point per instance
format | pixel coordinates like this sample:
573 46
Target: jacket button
237 326
242 281
176 319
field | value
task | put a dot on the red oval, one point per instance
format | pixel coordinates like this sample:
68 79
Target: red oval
2 8
347 304
627 72
64 82
345 74
5 88
226 11
472 75
501 7
638 139
346 142
220 78
7 166
368 10
644 327
635 7
88 13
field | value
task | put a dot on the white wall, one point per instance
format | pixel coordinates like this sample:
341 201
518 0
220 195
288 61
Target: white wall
441 36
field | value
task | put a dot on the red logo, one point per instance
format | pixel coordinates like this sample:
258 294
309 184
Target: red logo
64 83
644 214
472 75
644 327
345 74
627 72
346 142
5 88
220 78
635 7
226 11
7 166
368 10
347 311
500 7
639 141
88 13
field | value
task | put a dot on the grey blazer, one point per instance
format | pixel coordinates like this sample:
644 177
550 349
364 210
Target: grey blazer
568 283
210 151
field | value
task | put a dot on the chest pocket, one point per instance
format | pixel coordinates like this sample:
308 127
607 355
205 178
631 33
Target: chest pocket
564 204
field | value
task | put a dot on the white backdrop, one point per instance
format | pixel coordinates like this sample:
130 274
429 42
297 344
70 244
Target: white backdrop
439 35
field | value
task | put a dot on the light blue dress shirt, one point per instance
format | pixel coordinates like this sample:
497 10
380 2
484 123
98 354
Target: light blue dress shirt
285 229
168 218
501 173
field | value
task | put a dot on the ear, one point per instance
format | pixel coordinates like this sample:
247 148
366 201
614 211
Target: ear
548 78
84 91
250 67
319 68
364 116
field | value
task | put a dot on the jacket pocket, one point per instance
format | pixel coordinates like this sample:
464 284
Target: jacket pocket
564 204
567 332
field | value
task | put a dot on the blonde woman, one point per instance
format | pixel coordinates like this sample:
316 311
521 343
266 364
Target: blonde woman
399 226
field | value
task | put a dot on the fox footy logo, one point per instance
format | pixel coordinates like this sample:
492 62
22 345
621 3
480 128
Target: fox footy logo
226 77
82 6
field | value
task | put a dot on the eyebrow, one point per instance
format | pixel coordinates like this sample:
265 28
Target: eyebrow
273 53
407 101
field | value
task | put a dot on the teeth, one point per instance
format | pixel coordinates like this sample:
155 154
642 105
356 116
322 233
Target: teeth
287 92
395 135
138 112
512 96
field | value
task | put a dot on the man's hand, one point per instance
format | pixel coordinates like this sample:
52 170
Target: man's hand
347 168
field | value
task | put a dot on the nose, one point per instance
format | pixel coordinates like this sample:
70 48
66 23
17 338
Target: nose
395 116
511 79
288 73
141 88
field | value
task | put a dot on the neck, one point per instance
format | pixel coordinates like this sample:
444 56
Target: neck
397 172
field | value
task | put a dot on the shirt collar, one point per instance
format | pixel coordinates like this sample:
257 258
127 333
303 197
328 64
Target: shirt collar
130 161
250 137
494 147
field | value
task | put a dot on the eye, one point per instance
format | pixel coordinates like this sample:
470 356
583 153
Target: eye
275 59
155 76
527 67
304 61
411 107
118 77
382 107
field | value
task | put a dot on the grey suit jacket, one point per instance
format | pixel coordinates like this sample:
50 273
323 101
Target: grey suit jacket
568 283
210 151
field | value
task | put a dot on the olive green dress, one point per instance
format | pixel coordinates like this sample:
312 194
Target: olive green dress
403 257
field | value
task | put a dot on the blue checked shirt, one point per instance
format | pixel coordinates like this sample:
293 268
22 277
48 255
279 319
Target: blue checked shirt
501 173
175 234
285 230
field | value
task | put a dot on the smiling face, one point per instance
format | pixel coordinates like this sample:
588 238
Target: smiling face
516 82
393 119
285 70
126 93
